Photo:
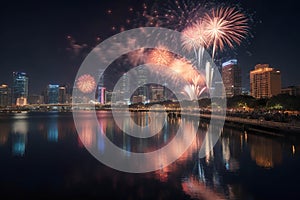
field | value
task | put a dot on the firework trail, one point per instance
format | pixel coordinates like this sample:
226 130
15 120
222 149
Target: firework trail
194 38
193 91
195 88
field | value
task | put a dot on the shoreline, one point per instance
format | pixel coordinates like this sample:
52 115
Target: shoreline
255 125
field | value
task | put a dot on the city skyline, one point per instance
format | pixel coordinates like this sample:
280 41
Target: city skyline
49 41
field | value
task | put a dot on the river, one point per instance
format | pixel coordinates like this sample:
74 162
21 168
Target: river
42 155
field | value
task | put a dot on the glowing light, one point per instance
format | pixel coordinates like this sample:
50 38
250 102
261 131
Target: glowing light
86 83
293 149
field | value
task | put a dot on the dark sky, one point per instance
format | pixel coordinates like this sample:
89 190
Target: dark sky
34 37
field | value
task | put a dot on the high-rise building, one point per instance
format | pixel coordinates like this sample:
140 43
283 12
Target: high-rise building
265 81
52 94
101 94
20 86
101 77
142 80
62 94
4 95
156 92
232 80
125 88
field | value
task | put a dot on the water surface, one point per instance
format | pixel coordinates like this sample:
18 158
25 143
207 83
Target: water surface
42 156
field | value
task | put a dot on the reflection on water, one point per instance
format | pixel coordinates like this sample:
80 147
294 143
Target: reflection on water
266 152
241 165
19 137
18 144
53 130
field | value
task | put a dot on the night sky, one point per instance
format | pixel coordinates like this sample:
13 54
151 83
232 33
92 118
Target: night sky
34 37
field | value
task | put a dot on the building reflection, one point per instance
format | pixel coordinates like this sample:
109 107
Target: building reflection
87 133
266 152
4 133
19 137
206 178
103 124
52 133
189 127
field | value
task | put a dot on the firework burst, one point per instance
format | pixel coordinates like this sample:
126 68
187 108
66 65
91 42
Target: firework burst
176 14
194 36
86 83
160 56
225 26
193 91
195 88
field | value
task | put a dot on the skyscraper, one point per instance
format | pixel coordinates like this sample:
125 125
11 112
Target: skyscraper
52 94
156 92
265 81
62 94
101 97
125 88
20 86
232 80
100 93
142 80
4 95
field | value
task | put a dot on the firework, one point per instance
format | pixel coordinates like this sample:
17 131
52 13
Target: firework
136 57
86 83
225 26
183 68
176 14
193 36
193 91
195 88
160 56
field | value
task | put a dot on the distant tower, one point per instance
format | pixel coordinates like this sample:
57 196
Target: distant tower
20 86
4 95
52 94
232 79
125 88
62 94
142 80
265 82
101 89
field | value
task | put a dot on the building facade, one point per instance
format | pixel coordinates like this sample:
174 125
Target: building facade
232 78
265 81
142 91
101 97
62 94
52 94
156 93
4 95
20 86
291 90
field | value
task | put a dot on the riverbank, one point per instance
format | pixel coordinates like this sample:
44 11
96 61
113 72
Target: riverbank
255 125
